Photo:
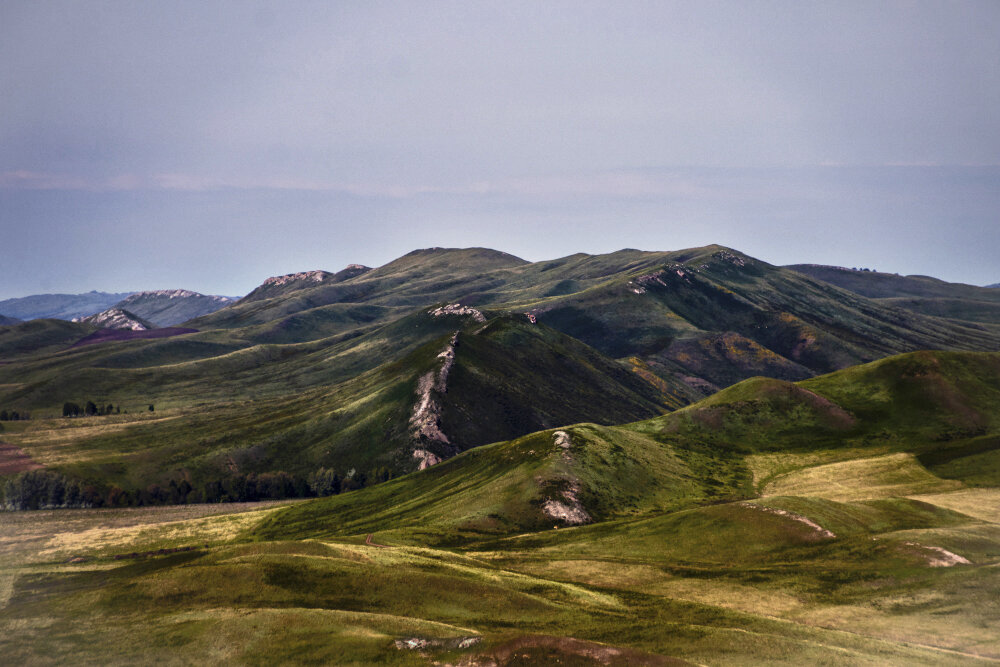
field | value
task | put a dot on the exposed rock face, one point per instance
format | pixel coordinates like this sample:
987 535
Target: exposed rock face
569 509
171 294
422 643
567 506
305 276
166 308
117 318
426 419
819 530
939 556
458 309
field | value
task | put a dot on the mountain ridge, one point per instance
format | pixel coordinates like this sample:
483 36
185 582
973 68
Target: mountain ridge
60 306
603 338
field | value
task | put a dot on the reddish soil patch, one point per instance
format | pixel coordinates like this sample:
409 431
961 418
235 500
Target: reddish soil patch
368 541
108 335
545 650
14 459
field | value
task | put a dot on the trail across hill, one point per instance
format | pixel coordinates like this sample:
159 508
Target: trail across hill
368 541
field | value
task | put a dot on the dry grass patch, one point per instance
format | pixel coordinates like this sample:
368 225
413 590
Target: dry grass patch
54 442
982 504
34 536
652 580
766 466
861 479
102 541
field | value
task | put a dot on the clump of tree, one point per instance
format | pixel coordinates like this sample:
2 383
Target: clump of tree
45 489
13 416
90 409
324 482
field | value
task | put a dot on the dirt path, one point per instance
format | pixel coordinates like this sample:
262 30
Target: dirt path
368 541
14 459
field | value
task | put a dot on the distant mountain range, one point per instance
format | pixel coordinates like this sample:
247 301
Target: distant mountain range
166 308
160 308
59 306
921 294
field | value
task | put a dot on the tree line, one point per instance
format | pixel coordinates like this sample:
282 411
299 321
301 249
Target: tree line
45 489
89 409
13 416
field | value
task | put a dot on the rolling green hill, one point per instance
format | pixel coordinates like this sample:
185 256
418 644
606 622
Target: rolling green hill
706 316
350 410
400 366
921 294
935 415
843 518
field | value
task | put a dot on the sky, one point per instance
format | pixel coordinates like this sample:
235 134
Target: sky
209 145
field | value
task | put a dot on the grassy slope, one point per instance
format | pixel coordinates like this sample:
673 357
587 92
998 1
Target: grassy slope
36 338
681 561
879 418
357 416
920 294
888 285
727 318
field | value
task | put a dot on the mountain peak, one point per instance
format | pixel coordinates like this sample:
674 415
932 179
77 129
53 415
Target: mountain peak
117 318
172 294
304 276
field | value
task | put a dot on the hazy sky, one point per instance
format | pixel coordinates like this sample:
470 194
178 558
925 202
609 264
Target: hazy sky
209 145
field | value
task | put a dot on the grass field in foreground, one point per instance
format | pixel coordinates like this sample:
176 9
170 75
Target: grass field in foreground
736 583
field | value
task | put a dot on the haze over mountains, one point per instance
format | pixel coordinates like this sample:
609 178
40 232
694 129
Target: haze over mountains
159 307
921 294
59 306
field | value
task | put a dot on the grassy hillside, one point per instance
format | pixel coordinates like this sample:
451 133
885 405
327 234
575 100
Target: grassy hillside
711 314
36 338
350 410
772 523
878 285
920 294
871 427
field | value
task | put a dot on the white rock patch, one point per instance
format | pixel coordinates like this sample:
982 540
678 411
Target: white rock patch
820 530
311 276
425 420
458 309
570 512
942 557
567 509
562 441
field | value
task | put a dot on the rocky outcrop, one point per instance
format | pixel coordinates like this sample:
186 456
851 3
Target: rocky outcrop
117 318
565 506
425 422
458 309
305 276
